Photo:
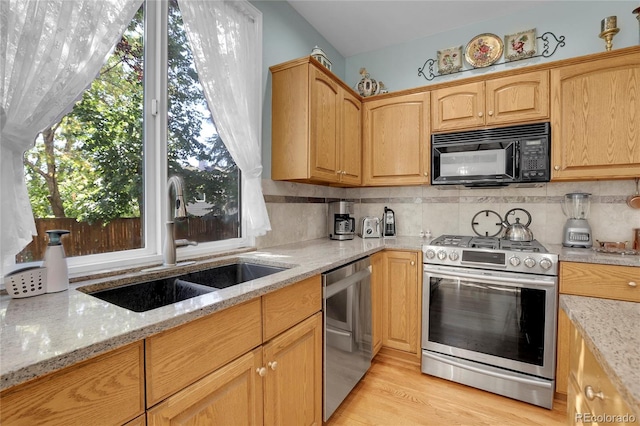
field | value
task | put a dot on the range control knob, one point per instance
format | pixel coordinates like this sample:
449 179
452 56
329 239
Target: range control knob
442 255
514 260
430 253
529 262
545 263
454 255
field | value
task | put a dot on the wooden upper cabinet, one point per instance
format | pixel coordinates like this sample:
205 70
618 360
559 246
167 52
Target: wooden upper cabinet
396 140
518 98
316 126
515 99
458 107
595 119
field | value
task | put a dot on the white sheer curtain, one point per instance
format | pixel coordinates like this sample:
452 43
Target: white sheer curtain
226 41
50 51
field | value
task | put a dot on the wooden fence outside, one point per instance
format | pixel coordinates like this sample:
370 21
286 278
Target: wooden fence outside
120 234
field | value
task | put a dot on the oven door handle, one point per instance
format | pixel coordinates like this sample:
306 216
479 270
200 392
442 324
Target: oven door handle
512 279
534 382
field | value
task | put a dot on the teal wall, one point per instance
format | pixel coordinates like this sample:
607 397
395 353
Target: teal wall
286 36
579 21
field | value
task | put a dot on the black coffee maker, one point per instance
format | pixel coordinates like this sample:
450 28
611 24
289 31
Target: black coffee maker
388 223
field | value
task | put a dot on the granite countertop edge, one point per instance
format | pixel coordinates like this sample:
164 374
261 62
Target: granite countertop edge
614 347
25 357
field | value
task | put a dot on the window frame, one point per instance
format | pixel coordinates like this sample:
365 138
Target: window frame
154 211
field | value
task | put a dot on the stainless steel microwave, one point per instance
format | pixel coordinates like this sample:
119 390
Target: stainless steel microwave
492 157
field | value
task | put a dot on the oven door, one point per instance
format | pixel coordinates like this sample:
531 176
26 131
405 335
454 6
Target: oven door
503 319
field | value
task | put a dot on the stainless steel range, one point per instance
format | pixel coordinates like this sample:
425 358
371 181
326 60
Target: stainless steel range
489 315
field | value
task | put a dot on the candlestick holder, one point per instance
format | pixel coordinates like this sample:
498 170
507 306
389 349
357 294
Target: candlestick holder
608 35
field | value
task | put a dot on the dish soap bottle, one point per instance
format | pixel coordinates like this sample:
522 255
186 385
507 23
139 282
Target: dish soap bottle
55 262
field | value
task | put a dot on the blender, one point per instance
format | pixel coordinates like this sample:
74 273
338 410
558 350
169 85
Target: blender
576 232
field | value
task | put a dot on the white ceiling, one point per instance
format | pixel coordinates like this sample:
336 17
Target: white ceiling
358 26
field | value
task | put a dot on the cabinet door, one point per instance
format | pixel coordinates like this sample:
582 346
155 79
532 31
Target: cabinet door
518 98
458 107
377 279
397 140
324 150
293 383
350 139
229 396
595 119
400 294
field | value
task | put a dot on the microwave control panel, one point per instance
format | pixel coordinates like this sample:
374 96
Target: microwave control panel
534 159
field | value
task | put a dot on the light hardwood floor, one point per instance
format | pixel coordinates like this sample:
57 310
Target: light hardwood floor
395 392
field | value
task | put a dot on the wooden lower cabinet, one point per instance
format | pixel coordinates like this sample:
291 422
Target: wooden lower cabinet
277 382
377 278
592 398
401 301
230 395
592 280
293 381
108 389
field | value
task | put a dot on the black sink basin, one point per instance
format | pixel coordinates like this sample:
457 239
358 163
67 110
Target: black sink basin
149 295
230 275
143 297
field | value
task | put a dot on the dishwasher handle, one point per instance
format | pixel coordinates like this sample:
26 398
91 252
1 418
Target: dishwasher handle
341 285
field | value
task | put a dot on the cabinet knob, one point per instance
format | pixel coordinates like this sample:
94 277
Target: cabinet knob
480 114
413 263
632 284
426 174
338 172
591 394
272 365
556 167
261 371
344 172
491 113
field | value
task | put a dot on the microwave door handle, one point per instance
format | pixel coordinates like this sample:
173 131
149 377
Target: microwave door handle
516 160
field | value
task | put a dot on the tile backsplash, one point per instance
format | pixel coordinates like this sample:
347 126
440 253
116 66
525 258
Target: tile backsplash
298 211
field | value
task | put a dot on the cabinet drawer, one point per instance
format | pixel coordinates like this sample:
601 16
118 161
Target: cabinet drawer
180 356
286 307
109 388
587 373
604 281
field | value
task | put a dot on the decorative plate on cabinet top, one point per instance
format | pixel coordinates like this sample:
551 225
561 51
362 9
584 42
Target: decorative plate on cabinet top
483 50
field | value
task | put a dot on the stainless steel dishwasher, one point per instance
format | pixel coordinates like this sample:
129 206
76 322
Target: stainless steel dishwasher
347 330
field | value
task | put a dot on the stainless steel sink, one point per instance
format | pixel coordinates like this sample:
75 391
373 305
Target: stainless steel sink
142 297
230 275
149 295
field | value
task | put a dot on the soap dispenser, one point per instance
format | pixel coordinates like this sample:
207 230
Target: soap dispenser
55 262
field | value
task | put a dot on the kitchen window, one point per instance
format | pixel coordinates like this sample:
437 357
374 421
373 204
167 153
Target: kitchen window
101 171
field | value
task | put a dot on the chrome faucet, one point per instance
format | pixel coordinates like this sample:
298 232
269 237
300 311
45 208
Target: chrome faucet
176 209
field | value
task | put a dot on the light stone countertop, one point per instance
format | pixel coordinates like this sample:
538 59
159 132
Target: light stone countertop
45 333
42 334
611 331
